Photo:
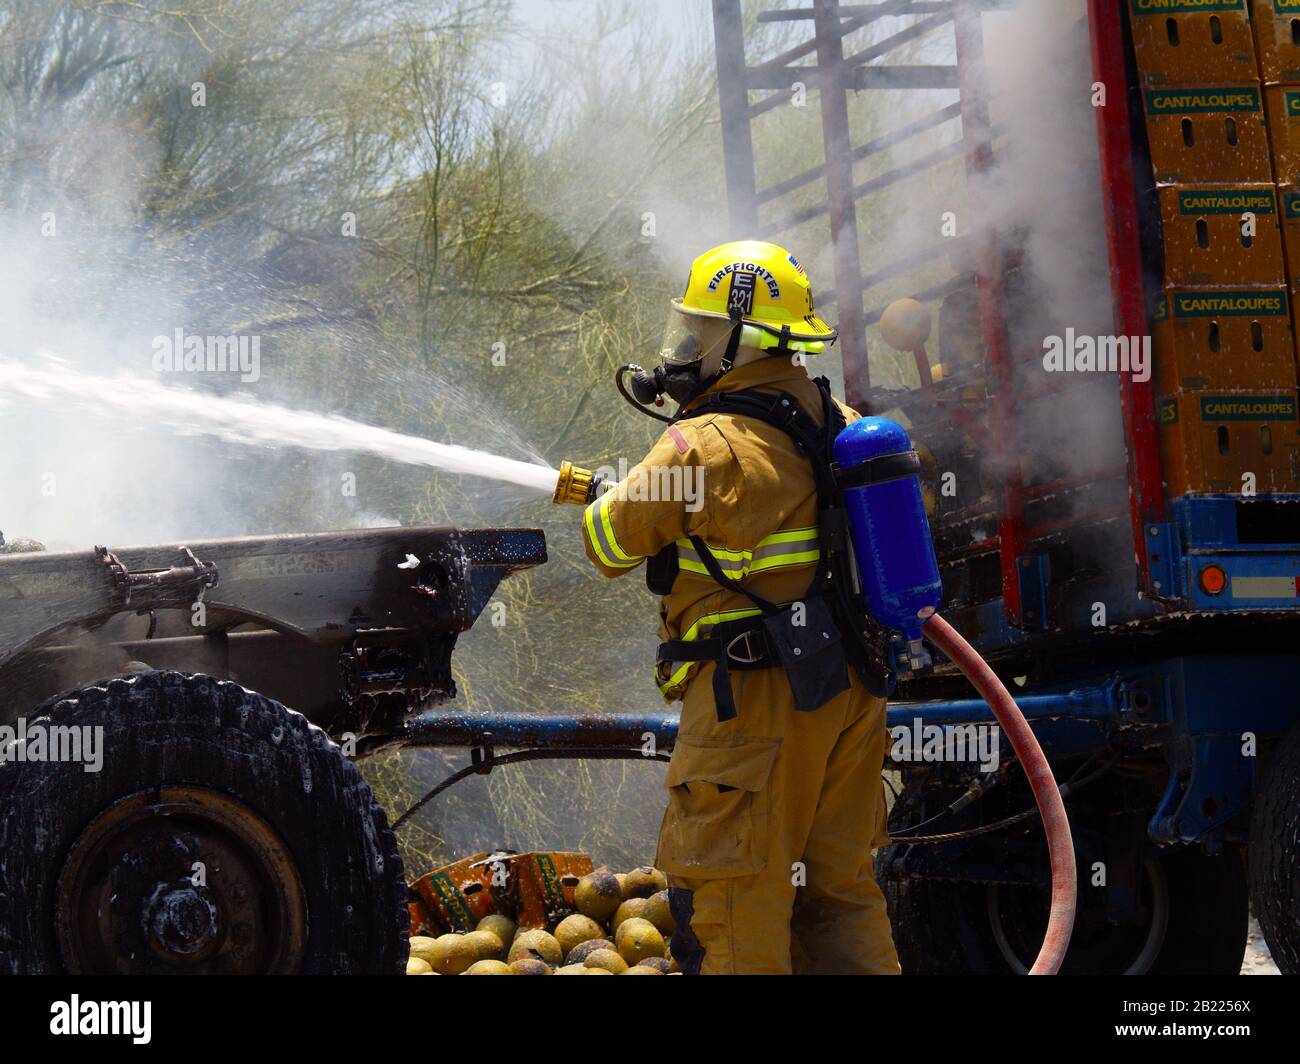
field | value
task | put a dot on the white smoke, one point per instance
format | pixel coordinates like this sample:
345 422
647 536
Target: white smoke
1049 182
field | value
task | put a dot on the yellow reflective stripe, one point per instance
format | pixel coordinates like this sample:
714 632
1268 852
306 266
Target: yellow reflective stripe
734 563
694 632
622 555
601 536
723 554
593 535
806 557
797 546
787 548
790 536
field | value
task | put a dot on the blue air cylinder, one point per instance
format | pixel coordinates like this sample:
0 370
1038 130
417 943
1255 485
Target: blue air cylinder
897 570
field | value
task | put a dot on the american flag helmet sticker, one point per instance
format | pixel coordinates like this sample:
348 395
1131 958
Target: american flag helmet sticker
796 263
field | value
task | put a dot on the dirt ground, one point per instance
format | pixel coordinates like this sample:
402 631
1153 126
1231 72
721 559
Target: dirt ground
1257 960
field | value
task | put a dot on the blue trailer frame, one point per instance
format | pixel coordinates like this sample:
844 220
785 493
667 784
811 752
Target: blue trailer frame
1204 713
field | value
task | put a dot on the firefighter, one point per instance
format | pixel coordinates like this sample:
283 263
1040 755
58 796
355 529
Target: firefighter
775 798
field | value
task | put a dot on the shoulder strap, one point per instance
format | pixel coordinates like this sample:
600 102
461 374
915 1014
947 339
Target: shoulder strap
781 411
778 409
720 578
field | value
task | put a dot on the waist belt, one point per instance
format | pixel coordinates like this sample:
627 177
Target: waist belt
743 645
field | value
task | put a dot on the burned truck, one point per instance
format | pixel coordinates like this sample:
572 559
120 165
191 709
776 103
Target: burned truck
162 808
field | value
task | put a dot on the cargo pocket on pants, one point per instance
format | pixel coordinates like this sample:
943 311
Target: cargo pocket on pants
716 826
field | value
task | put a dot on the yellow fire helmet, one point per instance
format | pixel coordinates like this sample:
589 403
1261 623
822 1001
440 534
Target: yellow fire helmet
761 285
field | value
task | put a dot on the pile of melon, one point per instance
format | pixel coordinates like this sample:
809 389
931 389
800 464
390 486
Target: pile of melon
621 927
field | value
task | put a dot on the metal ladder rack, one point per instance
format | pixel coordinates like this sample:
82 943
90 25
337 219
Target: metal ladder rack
850 55
839 70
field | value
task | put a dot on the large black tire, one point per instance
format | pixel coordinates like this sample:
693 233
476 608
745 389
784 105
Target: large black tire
1275 854
299 869
1194 922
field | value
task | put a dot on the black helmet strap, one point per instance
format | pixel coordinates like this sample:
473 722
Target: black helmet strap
733 342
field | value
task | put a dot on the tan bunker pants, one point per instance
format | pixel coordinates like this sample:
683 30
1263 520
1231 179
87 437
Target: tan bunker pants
769 829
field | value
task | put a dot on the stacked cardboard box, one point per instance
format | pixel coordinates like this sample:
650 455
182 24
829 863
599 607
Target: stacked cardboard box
1224 339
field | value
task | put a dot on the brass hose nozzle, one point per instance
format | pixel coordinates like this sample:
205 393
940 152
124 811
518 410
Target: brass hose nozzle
576 485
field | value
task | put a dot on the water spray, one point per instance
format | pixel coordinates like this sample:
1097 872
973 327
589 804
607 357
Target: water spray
235 419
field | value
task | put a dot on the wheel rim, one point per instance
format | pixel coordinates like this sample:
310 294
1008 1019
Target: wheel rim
180 880
1157 896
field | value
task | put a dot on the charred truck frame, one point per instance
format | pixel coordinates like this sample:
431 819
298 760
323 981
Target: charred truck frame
168 819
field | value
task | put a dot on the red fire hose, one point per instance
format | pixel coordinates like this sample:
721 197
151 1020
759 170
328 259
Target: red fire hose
1047 794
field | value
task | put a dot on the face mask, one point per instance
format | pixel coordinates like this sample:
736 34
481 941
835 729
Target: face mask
683 384
679 374
680 383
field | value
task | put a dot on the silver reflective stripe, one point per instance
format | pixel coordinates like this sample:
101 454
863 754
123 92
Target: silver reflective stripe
776 550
